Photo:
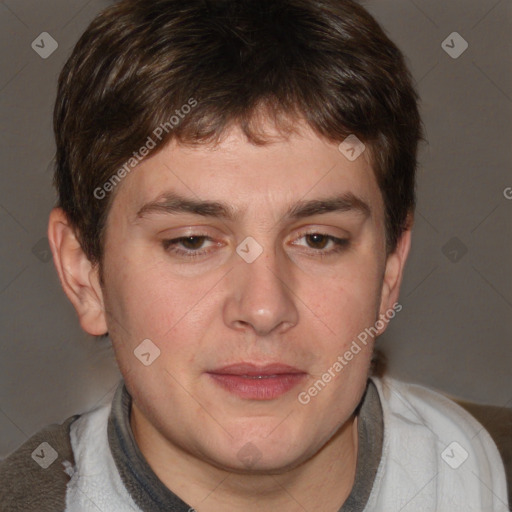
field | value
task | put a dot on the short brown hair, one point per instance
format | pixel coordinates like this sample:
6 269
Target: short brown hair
139 62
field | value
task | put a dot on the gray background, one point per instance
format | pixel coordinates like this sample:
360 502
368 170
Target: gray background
454 333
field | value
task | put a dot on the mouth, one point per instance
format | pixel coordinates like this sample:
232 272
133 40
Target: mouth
253 382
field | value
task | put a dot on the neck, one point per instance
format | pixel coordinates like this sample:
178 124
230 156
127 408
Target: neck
322 482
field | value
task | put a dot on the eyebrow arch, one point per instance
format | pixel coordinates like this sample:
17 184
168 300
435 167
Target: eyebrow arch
172 203
347 202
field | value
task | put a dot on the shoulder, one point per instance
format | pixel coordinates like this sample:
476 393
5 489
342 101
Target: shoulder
431 409
498 423
34 477
420 420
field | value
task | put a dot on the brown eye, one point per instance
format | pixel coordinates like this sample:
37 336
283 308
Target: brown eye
317 241
188 246
192 242
322 245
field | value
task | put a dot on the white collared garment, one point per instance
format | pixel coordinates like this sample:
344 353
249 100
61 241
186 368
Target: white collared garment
435 457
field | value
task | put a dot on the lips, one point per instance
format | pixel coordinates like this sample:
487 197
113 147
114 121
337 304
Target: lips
254 382
253 370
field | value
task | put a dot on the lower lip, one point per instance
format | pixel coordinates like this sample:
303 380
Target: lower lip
265 388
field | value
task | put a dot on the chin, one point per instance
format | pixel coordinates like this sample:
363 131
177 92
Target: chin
256 462
261 454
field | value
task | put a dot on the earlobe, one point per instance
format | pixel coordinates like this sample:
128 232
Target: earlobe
78 276
393 273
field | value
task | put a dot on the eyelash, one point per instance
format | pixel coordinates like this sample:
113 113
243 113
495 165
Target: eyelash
170 245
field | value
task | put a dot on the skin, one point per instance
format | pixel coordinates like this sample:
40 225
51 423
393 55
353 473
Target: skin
290 306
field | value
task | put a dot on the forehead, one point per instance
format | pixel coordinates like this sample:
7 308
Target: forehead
249 177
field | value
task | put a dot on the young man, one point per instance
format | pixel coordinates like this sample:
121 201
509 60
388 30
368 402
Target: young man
236 194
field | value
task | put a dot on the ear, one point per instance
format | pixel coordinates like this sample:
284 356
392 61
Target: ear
393 273
78 276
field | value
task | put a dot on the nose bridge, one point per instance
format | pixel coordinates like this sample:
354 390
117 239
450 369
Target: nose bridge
261 295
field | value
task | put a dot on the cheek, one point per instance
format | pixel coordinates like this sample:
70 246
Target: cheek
348 301
145 300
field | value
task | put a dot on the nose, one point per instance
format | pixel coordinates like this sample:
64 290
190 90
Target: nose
261 295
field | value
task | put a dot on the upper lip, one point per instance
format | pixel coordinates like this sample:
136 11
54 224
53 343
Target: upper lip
252 370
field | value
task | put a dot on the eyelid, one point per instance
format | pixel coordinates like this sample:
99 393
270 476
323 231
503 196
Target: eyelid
319 231
176 240
199 234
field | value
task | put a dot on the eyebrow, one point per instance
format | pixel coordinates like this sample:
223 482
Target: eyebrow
175 204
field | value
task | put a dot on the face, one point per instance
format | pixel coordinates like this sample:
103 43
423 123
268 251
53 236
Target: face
248 300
